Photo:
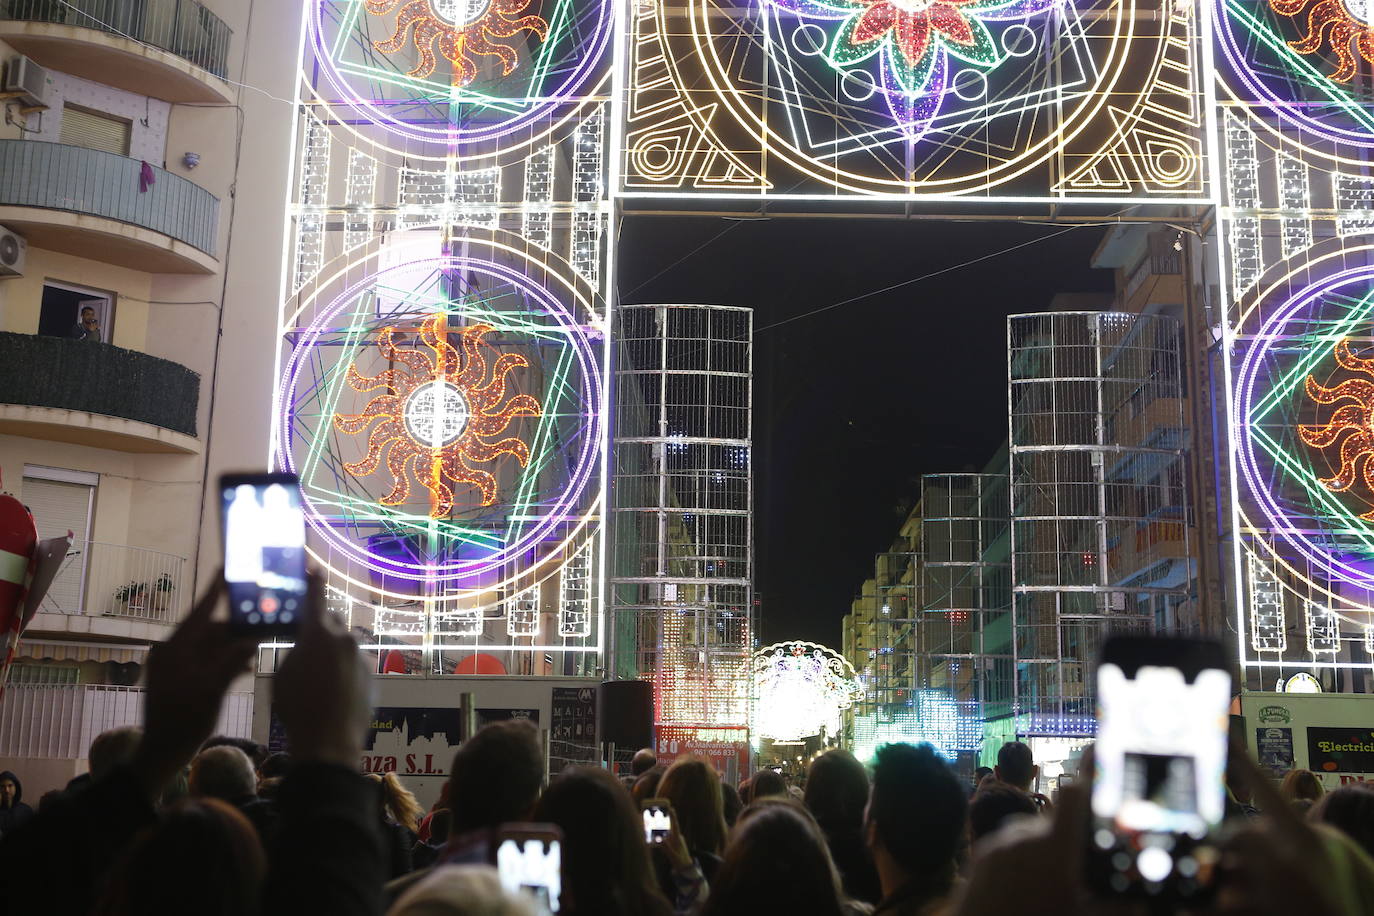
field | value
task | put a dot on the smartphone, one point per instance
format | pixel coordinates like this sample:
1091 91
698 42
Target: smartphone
529 860
264 552
1158 793
658 823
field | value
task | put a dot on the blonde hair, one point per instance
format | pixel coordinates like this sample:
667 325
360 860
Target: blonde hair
461 890
398 801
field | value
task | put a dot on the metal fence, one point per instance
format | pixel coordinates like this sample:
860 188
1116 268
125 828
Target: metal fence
98 378
183 27
60 721
115 580
56 176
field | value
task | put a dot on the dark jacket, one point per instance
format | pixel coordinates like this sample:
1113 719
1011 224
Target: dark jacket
855 864
14 817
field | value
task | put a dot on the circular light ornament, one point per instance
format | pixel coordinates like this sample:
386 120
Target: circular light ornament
445 416
953 110
1304 409
465 79
1302 682
800 689
1302 60
436 413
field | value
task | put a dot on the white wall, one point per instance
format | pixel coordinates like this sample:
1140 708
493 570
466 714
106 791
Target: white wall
148 117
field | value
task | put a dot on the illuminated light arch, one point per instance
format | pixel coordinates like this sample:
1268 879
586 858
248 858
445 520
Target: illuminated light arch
800 688
464 115
899 99
553 316
1265 61
1297 319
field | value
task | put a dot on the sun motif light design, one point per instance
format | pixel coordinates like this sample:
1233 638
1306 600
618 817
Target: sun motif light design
440 416
800 688
1344 24
1351 424
913 41
462 31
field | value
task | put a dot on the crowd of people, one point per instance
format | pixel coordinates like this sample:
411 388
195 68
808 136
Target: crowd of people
173 820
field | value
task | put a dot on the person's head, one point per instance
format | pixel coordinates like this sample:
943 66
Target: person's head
837 790
398 803
202 855
643 760
731 803
111 748
605 859
916 811
461 890
257 753
223 772
646 786
440 822
1300 784
693 787
777 861
1350 809
1016 765
88 318
11 791
979 774
993 806
275 766
765 783
496 776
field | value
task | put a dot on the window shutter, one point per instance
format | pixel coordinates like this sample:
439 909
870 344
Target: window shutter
95 131
58 508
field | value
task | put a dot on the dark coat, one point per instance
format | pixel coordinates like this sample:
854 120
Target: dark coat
14 817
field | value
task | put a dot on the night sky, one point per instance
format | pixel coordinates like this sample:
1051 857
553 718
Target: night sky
853 404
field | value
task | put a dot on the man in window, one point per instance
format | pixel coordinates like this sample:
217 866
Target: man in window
88 328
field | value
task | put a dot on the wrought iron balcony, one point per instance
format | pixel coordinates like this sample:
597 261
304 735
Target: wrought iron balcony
115 580
98 378
181 27
54 176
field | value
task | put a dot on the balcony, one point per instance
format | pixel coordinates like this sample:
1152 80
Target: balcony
96 394
114 592
87 203
175 50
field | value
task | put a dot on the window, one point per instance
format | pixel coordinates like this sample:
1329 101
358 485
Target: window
43 675
62 501
63 312
93 130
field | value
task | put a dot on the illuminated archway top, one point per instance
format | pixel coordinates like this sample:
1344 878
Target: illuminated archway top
800 688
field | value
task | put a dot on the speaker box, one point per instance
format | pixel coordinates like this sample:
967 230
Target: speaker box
627 713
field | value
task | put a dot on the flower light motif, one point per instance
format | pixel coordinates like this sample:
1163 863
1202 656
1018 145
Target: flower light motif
439 414
462 29
1351 424
800 688
1348 25
913 40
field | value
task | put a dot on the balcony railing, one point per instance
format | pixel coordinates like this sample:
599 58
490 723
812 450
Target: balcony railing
181 27
97 378
55 176
61 720
114 580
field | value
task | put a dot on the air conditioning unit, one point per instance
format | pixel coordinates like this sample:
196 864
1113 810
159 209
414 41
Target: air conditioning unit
13 249
27 78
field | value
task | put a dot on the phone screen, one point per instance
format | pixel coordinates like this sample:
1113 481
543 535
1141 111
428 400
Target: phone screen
264 551
530 862
657 824
1160 758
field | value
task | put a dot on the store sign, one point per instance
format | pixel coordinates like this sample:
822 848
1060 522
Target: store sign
1270 715
1340 750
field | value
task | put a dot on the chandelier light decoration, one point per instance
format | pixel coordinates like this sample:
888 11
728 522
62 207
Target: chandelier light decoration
800 689
439 415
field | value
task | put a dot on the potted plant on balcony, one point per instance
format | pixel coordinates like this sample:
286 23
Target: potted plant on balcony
132 598
162 593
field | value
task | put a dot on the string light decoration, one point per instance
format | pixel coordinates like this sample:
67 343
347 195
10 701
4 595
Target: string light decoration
1350 427
522 613
1268 628
310 195
893 99
931 717
1323 630
461 29
575 595
800 689
1333 22
441 416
